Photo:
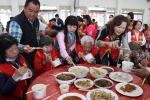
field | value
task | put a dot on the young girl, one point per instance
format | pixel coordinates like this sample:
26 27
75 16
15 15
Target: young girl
110 40
43 60
12 67
66 40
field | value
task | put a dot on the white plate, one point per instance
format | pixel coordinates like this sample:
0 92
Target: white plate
72 94
108 67
106 90
134 93
120 77
83 88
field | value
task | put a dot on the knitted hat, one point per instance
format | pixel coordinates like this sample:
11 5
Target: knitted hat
134 46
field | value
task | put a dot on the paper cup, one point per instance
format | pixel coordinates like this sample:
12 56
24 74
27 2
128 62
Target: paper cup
39 91
88 57
127 66
64 88
56 62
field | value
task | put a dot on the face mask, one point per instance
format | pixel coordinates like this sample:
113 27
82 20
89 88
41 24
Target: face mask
10 60
46 54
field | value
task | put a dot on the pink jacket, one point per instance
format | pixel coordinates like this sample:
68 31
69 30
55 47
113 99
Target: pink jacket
60 38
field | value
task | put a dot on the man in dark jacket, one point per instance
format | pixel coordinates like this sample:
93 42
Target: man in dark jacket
60 23
25 27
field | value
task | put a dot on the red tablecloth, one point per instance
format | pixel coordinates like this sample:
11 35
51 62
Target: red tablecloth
48 78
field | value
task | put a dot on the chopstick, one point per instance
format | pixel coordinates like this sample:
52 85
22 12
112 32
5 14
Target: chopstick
18 65
36 48
37 89
143 81
50 96
96 71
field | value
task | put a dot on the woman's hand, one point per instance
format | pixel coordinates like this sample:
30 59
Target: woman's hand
69 60
112 44
19 72
80 55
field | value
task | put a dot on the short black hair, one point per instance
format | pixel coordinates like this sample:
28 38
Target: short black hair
36 2
49 20
56 15
53 19
111 15
135 23
53 33
6 41
93 20
80 19
45 40
131 15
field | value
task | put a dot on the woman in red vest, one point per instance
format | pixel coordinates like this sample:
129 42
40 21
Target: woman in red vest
12 67
87 47
110 40
44 58
136 35
89 27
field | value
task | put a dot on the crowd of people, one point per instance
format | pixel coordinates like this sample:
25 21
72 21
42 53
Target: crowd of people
25 49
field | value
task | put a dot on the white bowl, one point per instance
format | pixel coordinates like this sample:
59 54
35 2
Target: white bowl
103 79
78 70
104 72
65 81
39 91
84 79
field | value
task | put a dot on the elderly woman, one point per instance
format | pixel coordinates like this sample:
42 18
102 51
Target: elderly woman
85 48
43 59
12 67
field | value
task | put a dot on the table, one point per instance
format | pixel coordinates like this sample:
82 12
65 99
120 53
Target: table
48 78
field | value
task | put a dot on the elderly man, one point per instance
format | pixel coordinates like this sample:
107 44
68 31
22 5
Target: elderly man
87 47
25 27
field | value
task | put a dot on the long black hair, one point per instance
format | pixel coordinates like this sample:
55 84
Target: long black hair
6 41
71 20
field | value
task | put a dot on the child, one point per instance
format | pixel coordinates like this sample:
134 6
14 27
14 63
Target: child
43 60
12 67
66 40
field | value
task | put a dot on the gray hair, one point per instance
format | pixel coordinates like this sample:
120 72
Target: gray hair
87 38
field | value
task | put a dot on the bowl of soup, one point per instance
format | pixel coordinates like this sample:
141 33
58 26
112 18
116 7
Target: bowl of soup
65 77
72 96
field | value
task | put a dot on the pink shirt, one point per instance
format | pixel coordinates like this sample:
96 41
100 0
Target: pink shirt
90 29
62 47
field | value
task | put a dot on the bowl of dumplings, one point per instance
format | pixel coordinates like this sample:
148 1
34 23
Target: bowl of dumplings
98 72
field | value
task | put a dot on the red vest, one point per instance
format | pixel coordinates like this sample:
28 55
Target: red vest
113 51
8 70
133 36
39 57
79 48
